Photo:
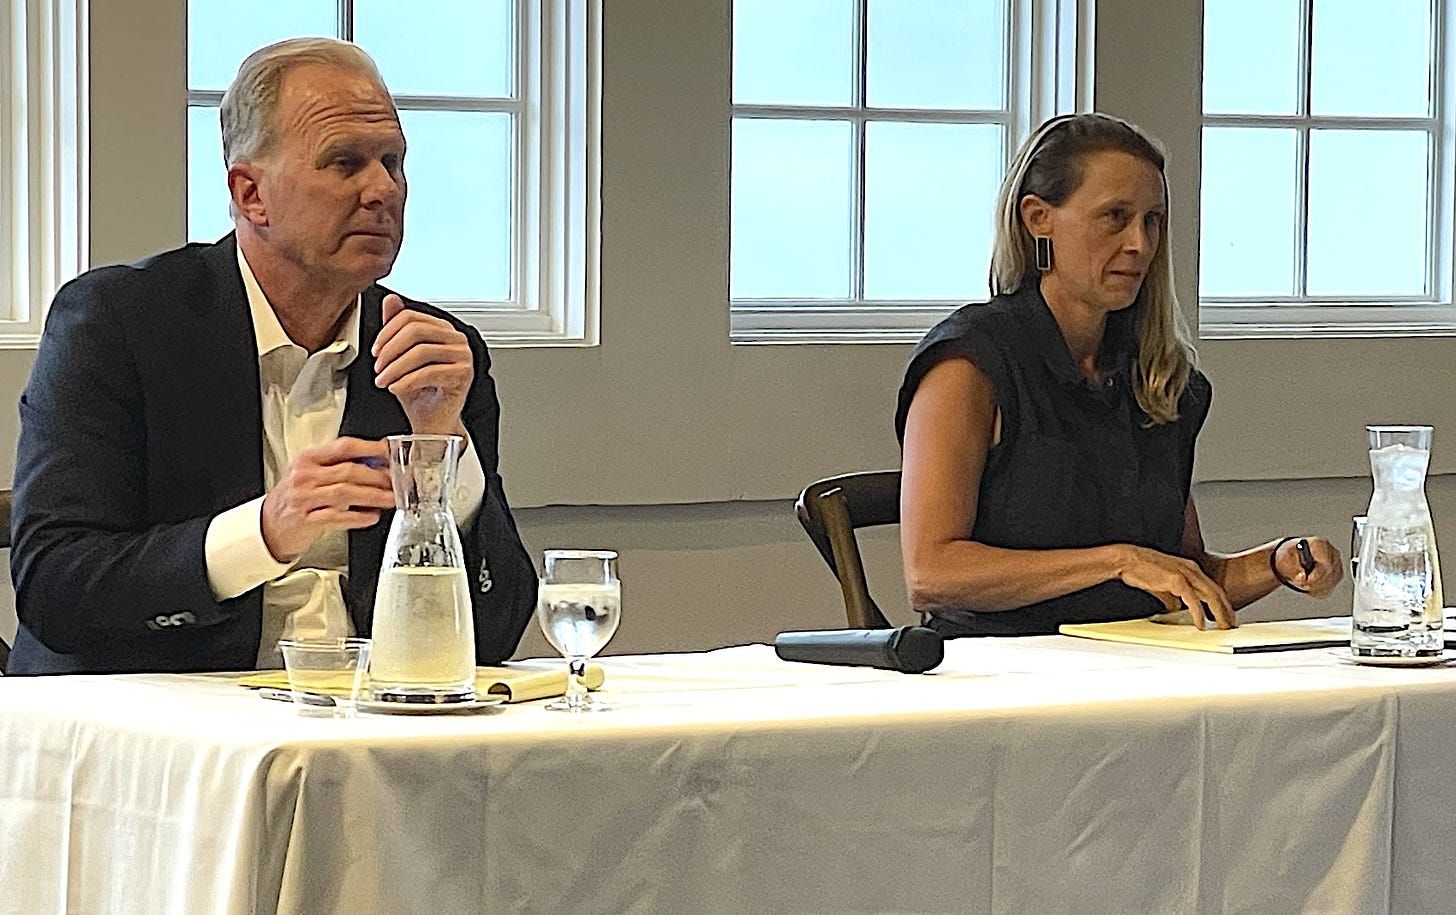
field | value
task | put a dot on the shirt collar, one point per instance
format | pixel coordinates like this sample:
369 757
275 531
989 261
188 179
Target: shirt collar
269 334
1118 342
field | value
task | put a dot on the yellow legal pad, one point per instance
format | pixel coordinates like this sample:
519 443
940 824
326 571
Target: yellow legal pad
1325 632
517 684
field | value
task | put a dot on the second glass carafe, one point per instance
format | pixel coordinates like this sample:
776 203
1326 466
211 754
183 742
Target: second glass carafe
1398 603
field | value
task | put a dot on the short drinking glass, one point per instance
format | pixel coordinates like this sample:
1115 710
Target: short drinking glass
579 606
326 676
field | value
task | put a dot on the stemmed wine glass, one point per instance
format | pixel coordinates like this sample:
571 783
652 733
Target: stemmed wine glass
579 606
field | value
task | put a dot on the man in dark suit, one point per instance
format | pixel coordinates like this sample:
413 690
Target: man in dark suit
200 469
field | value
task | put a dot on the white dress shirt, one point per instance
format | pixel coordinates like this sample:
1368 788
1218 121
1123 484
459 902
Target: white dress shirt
303 398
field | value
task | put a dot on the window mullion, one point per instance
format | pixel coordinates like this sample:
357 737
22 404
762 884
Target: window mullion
1302 151
859 129
1436 288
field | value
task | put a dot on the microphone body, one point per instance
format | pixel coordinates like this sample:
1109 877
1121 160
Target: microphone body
910 649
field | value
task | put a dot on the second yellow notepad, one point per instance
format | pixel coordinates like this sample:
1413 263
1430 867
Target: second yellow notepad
1325 632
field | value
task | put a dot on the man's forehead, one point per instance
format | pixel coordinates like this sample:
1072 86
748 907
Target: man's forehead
315 91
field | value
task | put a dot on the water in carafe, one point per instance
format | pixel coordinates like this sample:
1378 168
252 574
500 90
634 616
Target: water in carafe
1398 600
424 633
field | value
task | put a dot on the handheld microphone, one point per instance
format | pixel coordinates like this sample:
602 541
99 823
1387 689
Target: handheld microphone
910 650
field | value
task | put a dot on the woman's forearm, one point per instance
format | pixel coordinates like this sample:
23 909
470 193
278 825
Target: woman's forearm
965 575
1245 576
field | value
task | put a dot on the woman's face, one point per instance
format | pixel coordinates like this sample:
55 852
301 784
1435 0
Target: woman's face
1104 234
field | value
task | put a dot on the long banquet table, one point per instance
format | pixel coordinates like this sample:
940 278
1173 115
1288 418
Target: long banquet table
1028 775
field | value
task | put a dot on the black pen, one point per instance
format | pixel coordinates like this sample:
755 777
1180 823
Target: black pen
1306 558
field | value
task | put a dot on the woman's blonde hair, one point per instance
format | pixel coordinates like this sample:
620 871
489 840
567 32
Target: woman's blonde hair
1049 165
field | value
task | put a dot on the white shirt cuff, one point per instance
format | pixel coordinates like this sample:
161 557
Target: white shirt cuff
469 488
237 558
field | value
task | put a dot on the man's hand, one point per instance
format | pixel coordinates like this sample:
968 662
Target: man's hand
326 488
427 364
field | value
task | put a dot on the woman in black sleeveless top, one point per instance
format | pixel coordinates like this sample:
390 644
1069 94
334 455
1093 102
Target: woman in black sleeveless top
1048 435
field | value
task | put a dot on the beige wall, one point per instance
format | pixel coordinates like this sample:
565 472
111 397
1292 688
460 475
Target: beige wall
666 412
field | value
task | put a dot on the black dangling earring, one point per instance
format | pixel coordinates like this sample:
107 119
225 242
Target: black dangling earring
1043 253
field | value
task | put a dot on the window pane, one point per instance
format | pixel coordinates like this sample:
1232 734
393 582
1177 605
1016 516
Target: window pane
791 234
457 240
1372 58
1247 235
1251 70
1368 193
799 53
220 33
470 45
207 193
929 194
937 54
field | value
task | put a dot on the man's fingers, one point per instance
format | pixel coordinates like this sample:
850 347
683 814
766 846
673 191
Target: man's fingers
391 306
407 327
417 334
390 321
351 519
349 495
421 355
346 450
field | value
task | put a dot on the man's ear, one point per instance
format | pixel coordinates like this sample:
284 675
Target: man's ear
1036 215
243 186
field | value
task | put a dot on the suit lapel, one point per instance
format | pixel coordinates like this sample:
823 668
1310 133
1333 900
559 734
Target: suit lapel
225 384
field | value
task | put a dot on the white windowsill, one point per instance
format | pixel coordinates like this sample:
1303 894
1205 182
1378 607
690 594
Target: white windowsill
786 322
1294 322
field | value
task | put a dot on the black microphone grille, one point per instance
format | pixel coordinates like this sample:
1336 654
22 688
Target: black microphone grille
918 649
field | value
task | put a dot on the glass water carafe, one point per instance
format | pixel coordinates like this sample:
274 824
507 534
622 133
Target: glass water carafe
1397 611
424 633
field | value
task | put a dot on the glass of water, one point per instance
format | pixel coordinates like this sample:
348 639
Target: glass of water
579 606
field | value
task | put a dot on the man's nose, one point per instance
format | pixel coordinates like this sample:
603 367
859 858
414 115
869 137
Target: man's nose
381 186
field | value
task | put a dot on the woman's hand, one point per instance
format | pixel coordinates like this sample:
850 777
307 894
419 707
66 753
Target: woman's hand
1175 581
1328 569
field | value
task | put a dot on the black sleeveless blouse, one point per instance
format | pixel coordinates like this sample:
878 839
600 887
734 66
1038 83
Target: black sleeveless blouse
1078 465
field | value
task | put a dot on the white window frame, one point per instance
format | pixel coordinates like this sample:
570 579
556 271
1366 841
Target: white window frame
1049 71
1302 315
43 160
555 208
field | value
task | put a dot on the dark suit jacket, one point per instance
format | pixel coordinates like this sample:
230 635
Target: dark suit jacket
140 423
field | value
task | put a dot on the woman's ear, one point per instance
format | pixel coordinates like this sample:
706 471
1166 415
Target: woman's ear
1036 215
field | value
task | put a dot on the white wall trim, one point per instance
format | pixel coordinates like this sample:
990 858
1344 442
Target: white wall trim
44 185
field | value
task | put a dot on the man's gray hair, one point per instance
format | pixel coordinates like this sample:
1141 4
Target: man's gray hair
250 105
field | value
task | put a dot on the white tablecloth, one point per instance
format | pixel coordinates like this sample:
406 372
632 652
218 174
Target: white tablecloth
1031 775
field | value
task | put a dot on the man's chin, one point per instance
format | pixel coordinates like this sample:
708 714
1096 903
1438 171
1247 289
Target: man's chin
373 269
